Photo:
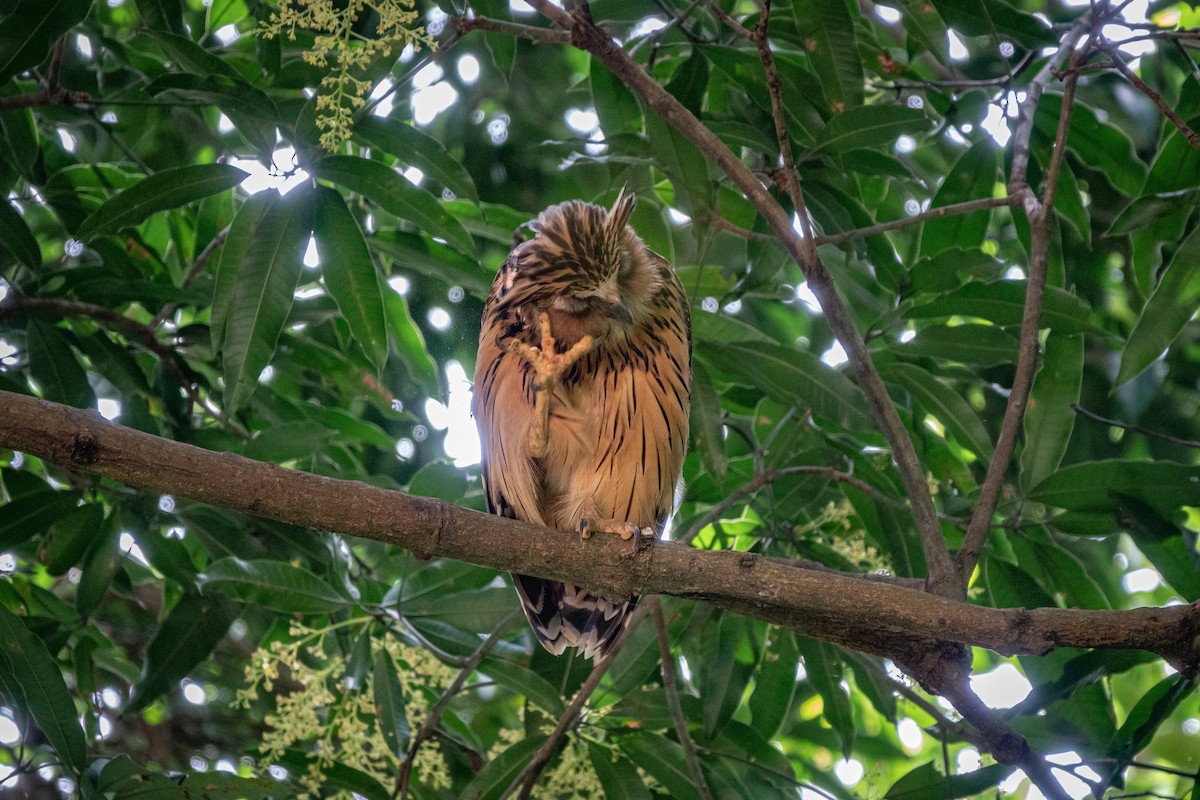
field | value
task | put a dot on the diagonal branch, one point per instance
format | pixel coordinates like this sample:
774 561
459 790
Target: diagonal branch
586 36
1041 215
671 690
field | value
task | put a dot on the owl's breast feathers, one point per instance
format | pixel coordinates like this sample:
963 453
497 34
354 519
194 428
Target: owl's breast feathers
618 432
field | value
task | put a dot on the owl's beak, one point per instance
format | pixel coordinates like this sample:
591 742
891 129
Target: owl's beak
620 312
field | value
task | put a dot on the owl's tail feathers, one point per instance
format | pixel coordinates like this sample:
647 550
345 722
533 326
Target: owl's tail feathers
563 616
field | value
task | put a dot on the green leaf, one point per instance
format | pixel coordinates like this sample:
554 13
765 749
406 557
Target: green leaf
350 274
1091 486
1175 165
162 15
925 27
410 343
30 28
1167 311
832 49
524 682
684 165
417 149
191 57
262 294
870 126
1101 145
926 783
689 84
823 665
389 703
242 232
69 535
948 405
775 683
1148 715
708 423
396 195
972 178
1003 302
17 239
30 668
1169 547
184 638
27 516
663 759
272 584
792 377
166 189
997 19
491 781
616 107
618 777
54 367
1049 418
985 345
719 683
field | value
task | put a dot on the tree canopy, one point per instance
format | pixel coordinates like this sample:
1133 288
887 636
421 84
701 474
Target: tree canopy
938 536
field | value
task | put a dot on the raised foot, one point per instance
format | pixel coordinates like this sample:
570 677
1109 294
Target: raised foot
626 530
548 367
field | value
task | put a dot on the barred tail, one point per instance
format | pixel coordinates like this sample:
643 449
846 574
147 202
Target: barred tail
563 616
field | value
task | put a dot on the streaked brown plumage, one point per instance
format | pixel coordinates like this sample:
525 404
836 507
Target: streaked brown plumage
618 416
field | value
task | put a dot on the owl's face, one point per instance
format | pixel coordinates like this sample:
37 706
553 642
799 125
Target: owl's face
585 266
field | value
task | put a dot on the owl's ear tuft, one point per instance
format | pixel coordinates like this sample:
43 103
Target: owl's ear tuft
622 208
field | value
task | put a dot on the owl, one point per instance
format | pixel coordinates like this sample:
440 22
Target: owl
582 388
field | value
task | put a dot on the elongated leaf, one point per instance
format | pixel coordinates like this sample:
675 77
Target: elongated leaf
350 274
870 126
1049 418
823 664
616 107
17 239
618 777
417 149
971 178
389 703
242 232
55 368
707 423
927 783
1092 486
27 516
262 294
491 781
398 196
29 666
30 29
163 15
1167 311
828 31
1170 547
792 376
1102 145
169 188
997 19
525 682
276 585
985 345
947 405
684 165
183 639
410 343
663 759
1003 302
775 683
69 536
1150 712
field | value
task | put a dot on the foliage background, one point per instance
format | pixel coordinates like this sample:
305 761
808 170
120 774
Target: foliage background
142 276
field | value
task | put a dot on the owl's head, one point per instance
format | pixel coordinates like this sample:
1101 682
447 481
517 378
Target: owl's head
587 262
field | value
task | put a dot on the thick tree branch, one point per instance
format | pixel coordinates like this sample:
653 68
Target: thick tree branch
864 615
586 36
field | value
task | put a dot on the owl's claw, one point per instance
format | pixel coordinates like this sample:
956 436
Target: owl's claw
548 367
626 530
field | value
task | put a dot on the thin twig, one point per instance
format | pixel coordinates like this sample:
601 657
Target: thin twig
671 690
954 209
1119 64
964 83
527 779
435 712
731 23
1166 437
534 34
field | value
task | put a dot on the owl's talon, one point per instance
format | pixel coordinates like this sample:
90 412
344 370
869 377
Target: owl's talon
548 367
626 530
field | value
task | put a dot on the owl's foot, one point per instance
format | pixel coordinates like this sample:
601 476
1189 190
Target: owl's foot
548 367
626 530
